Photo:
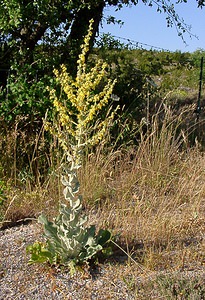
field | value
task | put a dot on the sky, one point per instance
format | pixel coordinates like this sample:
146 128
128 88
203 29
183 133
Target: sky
145 25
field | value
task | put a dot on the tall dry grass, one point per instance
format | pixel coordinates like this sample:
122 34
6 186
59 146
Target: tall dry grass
29 169
151 196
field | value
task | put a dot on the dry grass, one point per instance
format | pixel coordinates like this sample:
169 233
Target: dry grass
152 197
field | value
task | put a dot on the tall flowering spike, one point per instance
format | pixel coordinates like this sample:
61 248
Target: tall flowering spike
68 238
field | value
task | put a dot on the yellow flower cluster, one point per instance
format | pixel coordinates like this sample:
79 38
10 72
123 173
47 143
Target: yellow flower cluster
85 48
83 104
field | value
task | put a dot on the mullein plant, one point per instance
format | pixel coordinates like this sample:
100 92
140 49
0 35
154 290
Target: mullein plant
68 240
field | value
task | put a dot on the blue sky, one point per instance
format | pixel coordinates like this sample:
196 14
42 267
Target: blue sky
144 24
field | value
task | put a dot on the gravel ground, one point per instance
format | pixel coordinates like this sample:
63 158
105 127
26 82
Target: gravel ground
18 280
115 279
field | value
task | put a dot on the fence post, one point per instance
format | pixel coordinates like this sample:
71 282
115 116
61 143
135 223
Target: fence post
198 109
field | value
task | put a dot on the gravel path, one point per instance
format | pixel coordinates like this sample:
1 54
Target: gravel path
18 280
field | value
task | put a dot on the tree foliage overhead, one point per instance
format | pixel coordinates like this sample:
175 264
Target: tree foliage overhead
25 23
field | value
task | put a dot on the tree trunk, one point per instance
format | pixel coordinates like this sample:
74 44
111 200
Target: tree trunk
29 40
78 31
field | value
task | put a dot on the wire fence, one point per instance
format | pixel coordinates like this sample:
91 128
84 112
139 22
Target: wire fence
132 44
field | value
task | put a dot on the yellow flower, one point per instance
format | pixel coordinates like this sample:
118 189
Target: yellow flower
75 128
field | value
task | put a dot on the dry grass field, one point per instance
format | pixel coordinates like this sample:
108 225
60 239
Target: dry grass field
151 197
